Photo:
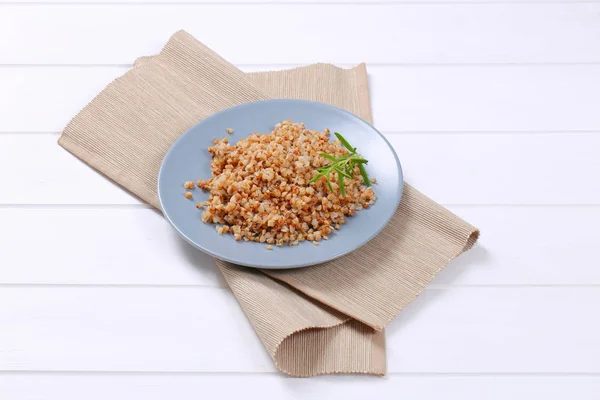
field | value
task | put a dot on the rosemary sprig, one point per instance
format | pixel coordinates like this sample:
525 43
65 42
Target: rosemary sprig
343 165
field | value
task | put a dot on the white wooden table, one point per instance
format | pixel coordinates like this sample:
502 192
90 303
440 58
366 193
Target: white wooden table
494 109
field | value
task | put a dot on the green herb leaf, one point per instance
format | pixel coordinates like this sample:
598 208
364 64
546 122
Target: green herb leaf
345 142
363 172
317 176
343 165
339 171
328 156
341 183
329 183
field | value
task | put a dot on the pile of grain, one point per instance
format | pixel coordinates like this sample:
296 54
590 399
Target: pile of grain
260 190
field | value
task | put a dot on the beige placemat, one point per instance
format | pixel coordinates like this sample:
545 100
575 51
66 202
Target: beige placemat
323 319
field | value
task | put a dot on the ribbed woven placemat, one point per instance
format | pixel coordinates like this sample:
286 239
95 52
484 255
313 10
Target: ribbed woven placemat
323 319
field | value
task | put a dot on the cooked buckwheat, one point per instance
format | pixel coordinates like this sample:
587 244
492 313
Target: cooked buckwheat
260 190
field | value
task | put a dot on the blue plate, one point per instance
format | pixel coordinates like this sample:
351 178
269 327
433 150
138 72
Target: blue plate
188 159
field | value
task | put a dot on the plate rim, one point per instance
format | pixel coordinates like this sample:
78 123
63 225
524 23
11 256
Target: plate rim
225 258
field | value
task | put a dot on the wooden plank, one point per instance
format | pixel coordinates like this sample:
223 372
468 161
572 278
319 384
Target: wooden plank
407 98
450 168
483 330
98 246
37 170
519 246
404 33
502 168
486 98
72 386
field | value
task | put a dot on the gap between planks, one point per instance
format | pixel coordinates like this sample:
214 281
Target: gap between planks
234 373
275 66
143 206
193 286
407 132
276 2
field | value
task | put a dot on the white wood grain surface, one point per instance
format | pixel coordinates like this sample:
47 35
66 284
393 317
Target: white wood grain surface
152 386
411 98
492 107
462 330
302 33
523 245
